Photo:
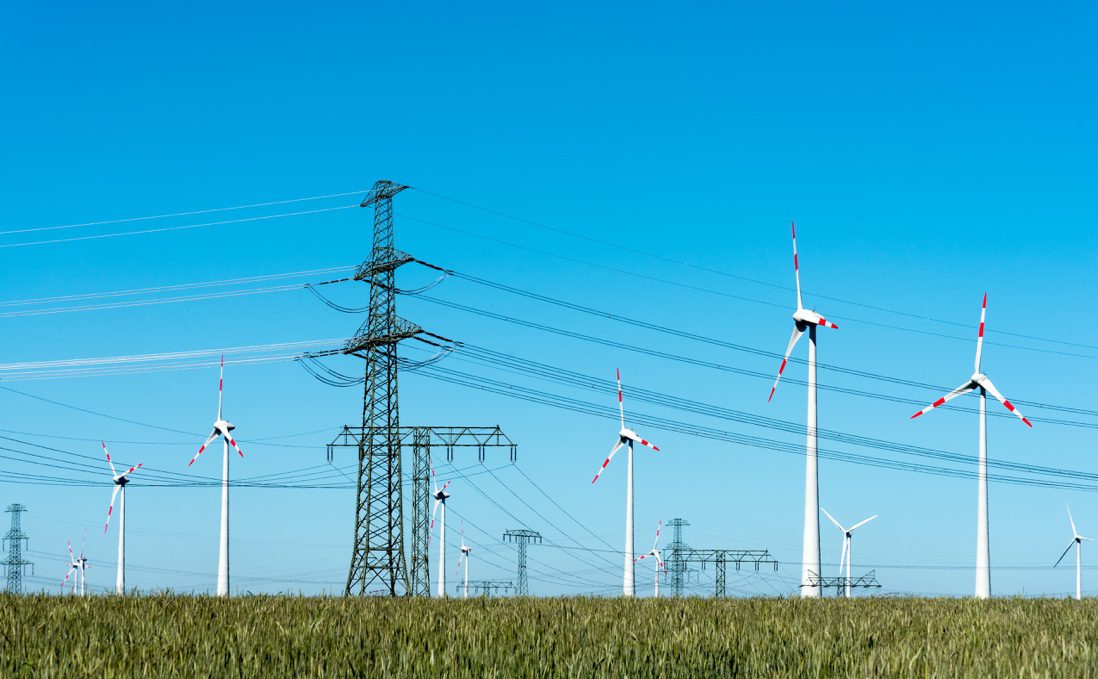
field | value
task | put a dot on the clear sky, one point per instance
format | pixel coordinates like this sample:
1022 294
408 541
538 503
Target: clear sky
929 152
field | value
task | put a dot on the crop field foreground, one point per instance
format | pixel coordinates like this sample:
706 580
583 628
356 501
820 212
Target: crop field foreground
284 636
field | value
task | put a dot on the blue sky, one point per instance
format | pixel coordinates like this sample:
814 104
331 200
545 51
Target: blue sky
929 153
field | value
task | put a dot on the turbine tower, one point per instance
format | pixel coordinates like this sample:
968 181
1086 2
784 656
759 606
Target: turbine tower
655 552
804 319
845 556
626 437
222 428
980 381
440 496
120 481
1076 540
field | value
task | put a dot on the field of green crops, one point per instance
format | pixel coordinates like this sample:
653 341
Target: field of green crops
286 636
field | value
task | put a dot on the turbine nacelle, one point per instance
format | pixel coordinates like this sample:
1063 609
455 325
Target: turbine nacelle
223 426
805 318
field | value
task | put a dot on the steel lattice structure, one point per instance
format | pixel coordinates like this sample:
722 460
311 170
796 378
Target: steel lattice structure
680 555
486 587
423 439
378 551
15 564
675 561
523 537
842 583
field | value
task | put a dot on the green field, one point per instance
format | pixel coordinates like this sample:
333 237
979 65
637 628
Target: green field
284 636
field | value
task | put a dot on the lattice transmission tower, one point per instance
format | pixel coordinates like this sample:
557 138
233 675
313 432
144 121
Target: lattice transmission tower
14 541
522 537
378 560
423 440
675 560
378 552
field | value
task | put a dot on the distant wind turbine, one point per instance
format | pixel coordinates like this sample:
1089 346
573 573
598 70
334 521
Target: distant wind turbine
1076 540
655 552
626 437
440 496
221 428
845 557
805 319
465 550
981 382
120 481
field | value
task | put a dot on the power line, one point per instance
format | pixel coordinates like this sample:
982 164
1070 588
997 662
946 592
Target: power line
180 214
185 227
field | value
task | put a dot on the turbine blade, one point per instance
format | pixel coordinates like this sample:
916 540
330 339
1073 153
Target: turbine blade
656 542
987 384
963 389
861 523
796 264
108 454
621 404
433 513
214 435
842 555
609 457
132 470
643 442
1074 531
797 332
837 524
220 386
980 336
71 557
445 486
110 509
816 319
1070 545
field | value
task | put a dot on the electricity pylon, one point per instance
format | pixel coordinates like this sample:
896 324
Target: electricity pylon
523 537
14 542
422 441
675 559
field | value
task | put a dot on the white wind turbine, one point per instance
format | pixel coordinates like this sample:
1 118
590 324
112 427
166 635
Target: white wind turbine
222 428
465 550
1076 540
805 319
626 437
659 559
120 481
80 565
845 557
440 496
981 382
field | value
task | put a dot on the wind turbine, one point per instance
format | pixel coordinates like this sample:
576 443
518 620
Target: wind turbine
659 558
626 437
222 428
77 565
805 319
845 557
981 382
465 550
1076 540
120 481
440 496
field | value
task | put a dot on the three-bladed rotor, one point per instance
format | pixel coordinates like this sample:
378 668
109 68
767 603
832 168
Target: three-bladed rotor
625 435
221 426
655 551
978 380
802 318
120 480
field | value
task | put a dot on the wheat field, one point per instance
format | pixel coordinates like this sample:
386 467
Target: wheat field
574 637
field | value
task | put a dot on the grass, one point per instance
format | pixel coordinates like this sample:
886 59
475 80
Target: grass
284 636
